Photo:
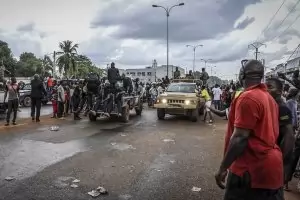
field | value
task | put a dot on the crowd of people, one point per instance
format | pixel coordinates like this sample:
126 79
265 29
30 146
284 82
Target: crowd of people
262 147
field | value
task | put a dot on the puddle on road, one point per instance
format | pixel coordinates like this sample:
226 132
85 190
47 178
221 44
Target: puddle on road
23 158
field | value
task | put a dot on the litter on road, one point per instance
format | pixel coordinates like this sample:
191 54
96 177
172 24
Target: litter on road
98 191
9 178
74 186
54 128
169 140
196 189
94 193
76 181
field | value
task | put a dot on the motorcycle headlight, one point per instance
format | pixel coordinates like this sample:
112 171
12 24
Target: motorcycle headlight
164 100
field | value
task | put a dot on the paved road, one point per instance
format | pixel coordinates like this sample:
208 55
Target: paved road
26 111
144 159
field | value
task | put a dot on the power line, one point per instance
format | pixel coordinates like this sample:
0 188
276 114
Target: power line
256 45
293 53
290 12
271 20
287 28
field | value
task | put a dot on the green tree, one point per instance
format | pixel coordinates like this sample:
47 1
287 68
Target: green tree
29 65
6 57
67 59
84 66
48 64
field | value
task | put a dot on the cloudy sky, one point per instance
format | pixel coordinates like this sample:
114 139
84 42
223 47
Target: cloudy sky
132 33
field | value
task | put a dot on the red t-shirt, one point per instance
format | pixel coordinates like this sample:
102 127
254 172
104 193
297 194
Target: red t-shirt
256 110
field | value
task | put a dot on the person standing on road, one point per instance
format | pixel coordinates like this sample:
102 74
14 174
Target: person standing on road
54 99
60 100
38 91
12 90
217 92
206 96
251 153
286 138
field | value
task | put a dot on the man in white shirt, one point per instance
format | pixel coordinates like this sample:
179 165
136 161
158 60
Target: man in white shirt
217 92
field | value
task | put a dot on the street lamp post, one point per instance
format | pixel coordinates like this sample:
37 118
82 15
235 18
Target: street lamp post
194 49
205 61
168 10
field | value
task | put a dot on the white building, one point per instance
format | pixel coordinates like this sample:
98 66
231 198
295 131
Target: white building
153 74
287 68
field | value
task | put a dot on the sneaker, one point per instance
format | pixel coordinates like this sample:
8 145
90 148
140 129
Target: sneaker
37 120
33 119
7 124
210 121
14 123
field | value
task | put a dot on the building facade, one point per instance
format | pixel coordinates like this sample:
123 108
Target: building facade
151 74
287 68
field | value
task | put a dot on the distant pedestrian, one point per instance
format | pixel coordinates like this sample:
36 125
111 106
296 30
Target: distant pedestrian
217 92
54 99
12 90
60 100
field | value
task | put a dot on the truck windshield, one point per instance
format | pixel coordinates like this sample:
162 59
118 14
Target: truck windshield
185 88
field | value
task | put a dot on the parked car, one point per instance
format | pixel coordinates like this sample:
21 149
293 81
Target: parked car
25 99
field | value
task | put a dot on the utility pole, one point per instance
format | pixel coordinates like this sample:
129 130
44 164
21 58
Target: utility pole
168 10
54 66
194 49
256 46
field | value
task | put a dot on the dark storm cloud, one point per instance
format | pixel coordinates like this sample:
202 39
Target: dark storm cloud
26 27
244 24
197 20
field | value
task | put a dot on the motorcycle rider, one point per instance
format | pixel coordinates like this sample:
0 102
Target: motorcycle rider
153 93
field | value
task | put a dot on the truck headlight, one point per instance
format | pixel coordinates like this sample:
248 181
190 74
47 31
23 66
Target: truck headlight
187 102
164 100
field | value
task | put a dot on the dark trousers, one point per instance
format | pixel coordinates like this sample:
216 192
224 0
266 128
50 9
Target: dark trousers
217 104
60 109
12 107
239 188
36 103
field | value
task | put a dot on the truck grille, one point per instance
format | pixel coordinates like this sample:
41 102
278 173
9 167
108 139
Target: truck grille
175 101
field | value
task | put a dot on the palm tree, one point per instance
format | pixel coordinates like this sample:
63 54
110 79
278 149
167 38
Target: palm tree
48 64
66 61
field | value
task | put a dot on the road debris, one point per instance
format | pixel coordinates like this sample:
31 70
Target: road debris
102 190
54 128
196 189
76 181
113 143
94 193
123 135
172 161
74 186
9 178
97 192
169 140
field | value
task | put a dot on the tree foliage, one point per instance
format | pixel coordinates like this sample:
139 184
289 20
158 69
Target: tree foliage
69 63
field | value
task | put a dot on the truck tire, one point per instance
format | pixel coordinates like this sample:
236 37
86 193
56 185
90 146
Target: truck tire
161 113
139 109
194 115
92 117
125 114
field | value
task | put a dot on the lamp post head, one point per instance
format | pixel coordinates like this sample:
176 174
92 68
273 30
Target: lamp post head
154 6
181 4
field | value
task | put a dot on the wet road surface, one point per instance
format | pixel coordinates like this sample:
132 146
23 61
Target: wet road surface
144 159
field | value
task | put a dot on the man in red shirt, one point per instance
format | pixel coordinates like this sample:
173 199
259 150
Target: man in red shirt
252 156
